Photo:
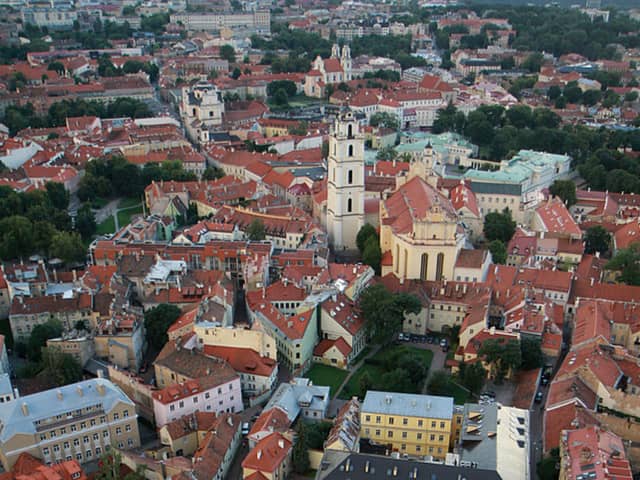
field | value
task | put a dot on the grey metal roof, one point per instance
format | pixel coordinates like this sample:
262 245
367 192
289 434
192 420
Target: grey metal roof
497 188
337 465
408 405
57 401
478 437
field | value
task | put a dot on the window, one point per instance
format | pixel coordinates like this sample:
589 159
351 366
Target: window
52 433
43 436
73 428
96 436
433 424
419 436
130 442
390 434
65 444
76 442
125 414
56 448
63 431
181 404
349 205
85 439
350 177
432 437
390 420
88 454
207 395
404 434
378 419
118 431
419 423
172 408
79 457
442 425
84 424
45 450
98 450
127 428
116 416
92 422
120 445
418 448
377 433
105 433
441 438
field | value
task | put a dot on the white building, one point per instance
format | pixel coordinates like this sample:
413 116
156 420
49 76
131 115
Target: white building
345 188
202 109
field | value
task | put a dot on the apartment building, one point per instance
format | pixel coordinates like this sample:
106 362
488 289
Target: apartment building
79 422
413 424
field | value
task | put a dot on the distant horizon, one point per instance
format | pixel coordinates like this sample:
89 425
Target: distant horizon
627 4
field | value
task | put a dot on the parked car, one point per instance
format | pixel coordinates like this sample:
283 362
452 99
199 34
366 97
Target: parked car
443 342
539 396
430 339
245 428
488 393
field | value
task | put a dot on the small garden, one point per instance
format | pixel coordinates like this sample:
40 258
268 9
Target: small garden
326 375
395 368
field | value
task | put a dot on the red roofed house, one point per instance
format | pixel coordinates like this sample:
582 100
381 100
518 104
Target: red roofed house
554 218
342 329
330 71
270 458
593 452
627 235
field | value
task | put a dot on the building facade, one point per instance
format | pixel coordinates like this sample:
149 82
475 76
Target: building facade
79 422
345 187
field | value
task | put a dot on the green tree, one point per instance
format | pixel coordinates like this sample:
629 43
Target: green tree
473 376
533 62
554 92
280 97
256 231
397 380
235 74
572 92
39 336
439 383
627 262
591 97
503 355
58 195
85 222
56 67
228 53
565 190
498 251
316 433
212 173
384 311
385 119
499 226
300 456
365 384
60 367
372 255
366 231
530 353
597 239
16 237
386 154
68 247
157 321
631 96
288 86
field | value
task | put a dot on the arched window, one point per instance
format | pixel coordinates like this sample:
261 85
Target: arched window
351 150
397 259
439 266
350 131
424 264
350 177
349 205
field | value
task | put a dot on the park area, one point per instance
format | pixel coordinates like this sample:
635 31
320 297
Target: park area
328 376
127 208
395 368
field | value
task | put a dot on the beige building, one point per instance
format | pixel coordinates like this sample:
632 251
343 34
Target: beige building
209 333
345 186
80 421
81 347
420 233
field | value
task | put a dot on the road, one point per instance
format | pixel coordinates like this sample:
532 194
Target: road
107 211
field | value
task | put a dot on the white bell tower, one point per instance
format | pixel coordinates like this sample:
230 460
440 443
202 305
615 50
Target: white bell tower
345 186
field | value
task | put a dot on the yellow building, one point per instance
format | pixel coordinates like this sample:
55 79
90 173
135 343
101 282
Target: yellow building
420 231
417 425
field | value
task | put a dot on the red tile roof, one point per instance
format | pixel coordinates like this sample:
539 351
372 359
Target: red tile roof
325 344
345 313
555 218
268 454
243 360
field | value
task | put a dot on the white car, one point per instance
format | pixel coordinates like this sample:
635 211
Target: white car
245 428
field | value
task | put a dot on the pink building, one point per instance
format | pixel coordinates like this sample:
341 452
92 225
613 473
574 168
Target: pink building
216 394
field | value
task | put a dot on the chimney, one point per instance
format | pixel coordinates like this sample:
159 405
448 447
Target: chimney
79 390
259 454
25 409
75 275
59 394
16 394
100 373
101 389
281 443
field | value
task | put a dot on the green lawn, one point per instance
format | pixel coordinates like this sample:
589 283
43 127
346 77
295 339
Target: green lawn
459 394
328 376
294 102
376 371
133 207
